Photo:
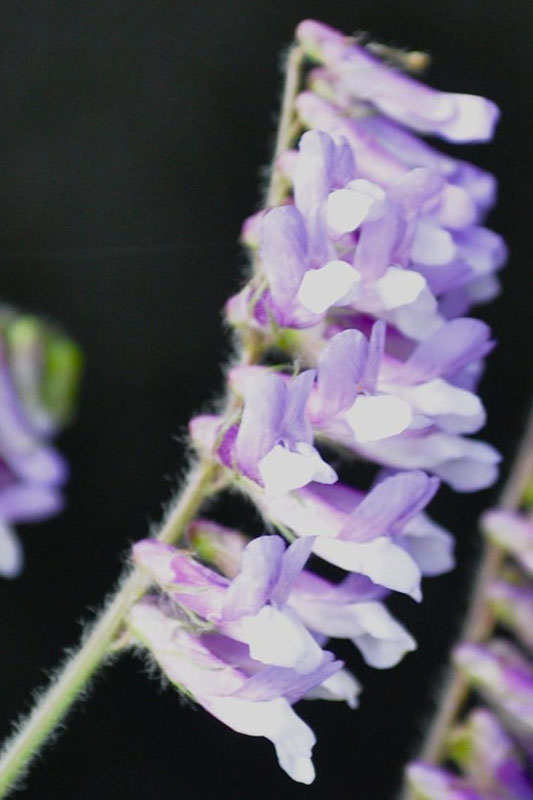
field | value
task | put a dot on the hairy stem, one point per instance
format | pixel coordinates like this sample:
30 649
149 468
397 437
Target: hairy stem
480 621
54 704
97 646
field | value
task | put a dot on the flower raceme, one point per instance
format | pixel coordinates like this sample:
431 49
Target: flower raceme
355 335
39 371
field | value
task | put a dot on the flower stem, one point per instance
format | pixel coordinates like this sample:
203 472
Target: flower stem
57 700
480 621
97 646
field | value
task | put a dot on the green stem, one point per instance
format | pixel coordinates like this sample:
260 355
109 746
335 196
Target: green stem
55 703
97 646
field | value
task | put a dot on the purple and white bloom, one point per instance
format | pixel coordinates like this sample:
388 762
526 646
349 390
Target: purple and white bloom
35 400
273 442
348 610
511 601
491 760
513 532
441 239
381 535
505 678
428 782
256 702
252 607
455 117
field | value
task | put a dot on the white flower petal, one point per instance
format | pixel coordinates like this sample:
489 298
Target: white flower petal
399 287
283 470
11 557
432 245
384 562
322 288
279 638
346 209
340 686
375 417
275 720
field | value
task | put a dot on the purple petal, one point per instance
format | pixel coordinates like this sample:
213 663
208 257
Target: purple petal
454 345
377 240
456 117
389 505
376 348
265 400
260 568
296 425
29 502
283 254
340 369
314 170
273 682
294 560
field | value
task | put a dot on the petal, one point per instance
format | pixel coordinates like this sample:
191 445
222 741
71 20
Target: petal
384 642
341 686
314 170
283 470
375 417
376 348
283 253
293 562
399 287
264 408
432 245
275 720
296 426
29 502
271 682
260 568
375 247
340 369
278 638
321 288
346 209
11 556
382 561
461 411
449 349
389 505
430 545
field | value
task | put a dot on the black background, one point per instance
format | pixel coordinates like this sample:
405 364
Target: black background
132 136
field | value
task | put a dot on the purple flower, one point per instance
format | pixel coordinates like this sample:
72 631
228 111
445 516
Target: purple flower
349 610
381 535
513 532
491 760
428 782
511 601
456 117
505 678
32 408
246 697
251 607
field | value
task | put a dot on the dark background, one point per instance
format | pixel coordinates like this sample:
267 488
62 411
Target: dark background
132 137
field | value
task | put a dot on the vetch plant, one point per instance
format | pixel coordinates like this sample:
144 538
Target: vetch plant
353 335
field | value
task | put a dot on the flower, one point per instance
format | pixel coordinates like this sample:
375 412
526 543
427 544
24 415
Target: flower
39 371
362 77
355 311
207 668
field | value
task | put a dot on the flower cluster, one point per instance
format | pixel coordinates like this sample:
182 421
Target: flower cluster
492 748
39 372
362 276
